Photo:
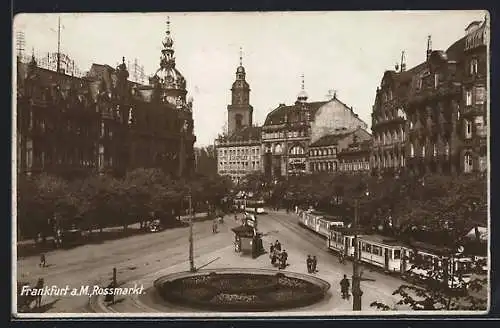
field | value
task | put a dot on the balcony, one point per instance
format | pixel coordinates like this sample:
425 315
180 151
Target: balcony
473 110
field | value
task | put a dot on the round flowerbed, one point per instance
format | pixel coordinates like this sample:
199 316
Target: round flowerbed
241 290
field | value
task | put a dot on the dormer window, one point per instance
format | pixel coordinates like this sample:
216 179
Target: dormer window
419 83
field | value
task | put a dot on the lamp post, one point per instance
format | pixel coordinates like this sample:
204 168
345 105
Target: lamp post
356 276
191 248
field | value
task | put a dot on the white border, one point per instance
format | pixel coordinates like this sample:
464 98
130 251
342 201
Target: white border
209 316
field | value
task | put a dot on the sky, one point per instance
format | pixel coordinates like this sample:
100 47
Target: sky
343 51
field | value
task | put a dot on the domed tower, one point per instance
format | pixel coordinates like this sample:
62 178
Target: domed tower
122 75
240 112
169 82
302 96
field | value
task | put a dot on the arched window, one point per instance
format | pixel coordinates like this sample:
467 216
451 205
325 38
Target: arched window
238 120
446 149
277 149
297 150
412 150
468 163
423 150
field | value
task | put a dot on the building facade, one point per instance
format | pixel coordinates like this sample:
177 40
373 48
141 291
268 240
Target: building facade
330 152
239 152
289 130
433 118
103 123
356 157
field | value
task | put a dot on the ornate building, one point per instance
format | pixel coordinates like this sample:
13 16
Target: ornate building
103 122
433 117
161 121
57 122
239 152
474 109
331 152
288 131
389 121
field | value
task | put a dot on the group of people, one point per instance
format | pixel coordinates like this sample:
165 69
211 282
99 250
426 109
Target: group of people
277 255
311 263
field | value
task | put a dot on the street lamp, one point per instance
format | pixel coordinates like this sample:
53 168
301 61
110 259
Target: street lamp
356 276
191 248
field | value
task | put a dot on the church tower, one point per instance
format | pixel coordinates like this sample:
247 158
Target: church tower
240 112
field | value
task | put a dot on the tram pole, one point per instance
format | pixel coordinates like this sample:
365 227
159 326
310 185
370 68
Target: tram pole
356 283
191 257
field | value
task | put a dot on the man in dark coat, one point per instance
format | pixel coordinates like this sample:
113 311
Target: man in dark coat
284 258
344 287
309 263
314 263
277 245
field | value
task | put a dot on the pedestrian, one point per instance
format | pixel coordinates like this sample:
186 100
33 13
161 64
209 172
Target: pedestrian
344 287
284 258
271 248
314 264
42 260
38 297
110 298
309 263
277 245
214 226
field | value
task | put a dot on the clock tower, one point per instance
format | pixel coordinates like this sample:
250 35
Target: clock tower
239 112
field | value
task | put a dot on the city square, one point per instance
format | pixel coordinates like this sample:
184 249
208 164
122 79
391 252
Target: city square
144 190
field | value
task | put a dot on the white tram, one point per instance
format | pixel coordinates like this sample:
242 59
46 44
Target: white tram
381 252
319 222
341 241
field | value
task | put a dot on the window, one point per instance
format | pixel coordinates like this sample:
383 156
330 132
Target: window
29 154
434 150
480 95
468 129
397 254
419 83
447 149
467 163
436 81
101 156
473 66
468 97
102 129
423 150
238 118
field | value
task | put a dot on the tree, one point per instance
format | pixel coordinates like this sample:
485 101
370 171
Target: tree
441 291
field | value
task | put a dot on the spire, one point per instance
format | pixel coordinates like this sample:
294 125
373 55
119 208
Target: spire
302 96
33 60
403 61
429 46
241 56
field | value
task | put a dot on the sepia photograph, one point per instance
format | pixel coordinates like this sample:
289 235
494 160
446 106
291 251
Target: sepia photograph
250 164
